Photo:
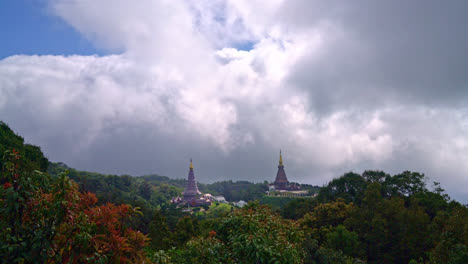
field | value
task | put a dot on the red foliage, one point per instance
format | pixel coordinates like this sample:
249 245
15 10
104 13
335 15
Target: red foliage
113 238
7 185
87 199
73 228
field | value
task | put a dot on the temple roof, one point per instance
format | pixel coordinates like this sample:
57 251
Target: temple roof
192 189
281 178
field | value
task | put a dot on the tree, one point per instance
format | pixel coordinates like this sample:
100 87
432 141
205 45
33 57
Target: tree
297 208
404 184
46 219
349 187
209 250
345 241
375 176
159 232
326 216
452 245
369 223
145 190
185 229
257 235
32 156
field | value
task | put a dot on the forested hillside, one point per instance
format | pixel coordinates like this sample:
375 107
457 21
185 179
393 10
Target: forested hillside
34 159
47 218
50 213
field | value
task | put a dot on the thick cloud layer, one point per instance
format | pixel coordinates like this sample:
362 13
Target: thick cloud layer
338 86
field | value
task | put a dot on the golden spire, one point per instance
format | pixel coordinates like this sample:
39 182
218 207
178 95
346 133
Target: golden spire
281 159
191 165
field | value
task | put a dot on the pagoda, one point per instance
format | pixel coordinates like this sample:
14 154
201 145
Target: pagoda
281 181
191 191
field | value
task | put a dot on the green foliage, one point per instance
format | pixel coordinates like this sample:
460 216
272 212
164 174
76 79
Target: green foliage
276 202
374 217
395 219
311 189
389 229
159 256
142 192
349 187
32 156
452 245
297 208
404 184
236 191
186 229
208 250
329 256
342 239
252 235
218 210
257 235
145 190
46 219
328 215
161 237
368 218
458 254
157 180
19 239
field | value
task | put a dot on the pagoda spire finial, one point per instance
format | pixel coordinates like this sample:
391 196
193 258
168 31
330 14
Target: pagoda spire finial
281 159
191 165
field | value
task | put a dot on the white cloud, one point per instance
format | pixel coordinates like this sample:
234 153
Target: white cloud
178 74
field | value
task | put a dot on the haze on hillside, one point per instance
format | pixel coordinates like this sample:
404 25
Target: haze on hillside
119 87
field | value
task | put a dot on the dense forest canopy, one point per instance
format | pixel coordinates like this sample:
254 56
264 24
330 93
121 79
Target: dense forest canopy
50 213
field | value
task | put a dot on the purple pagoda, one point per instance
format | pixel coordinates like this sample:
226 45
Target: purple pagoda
281 181
192 196
191 191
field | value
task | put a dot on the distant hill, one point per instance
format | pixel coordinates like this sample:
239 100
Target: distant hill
33 159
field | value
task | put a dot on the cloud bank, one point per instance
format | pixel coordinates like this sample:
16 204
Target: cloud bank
337 86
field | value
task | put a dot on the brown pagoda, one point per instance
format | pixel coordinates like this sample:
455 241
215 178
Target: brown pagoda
191 191
281 181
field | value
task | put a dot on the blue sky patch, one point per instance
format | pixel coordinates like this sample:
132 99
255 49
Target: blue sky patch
28 27
245 45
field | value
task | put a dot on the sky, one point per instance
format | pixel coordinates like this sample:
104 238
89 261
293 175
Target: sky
125 87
